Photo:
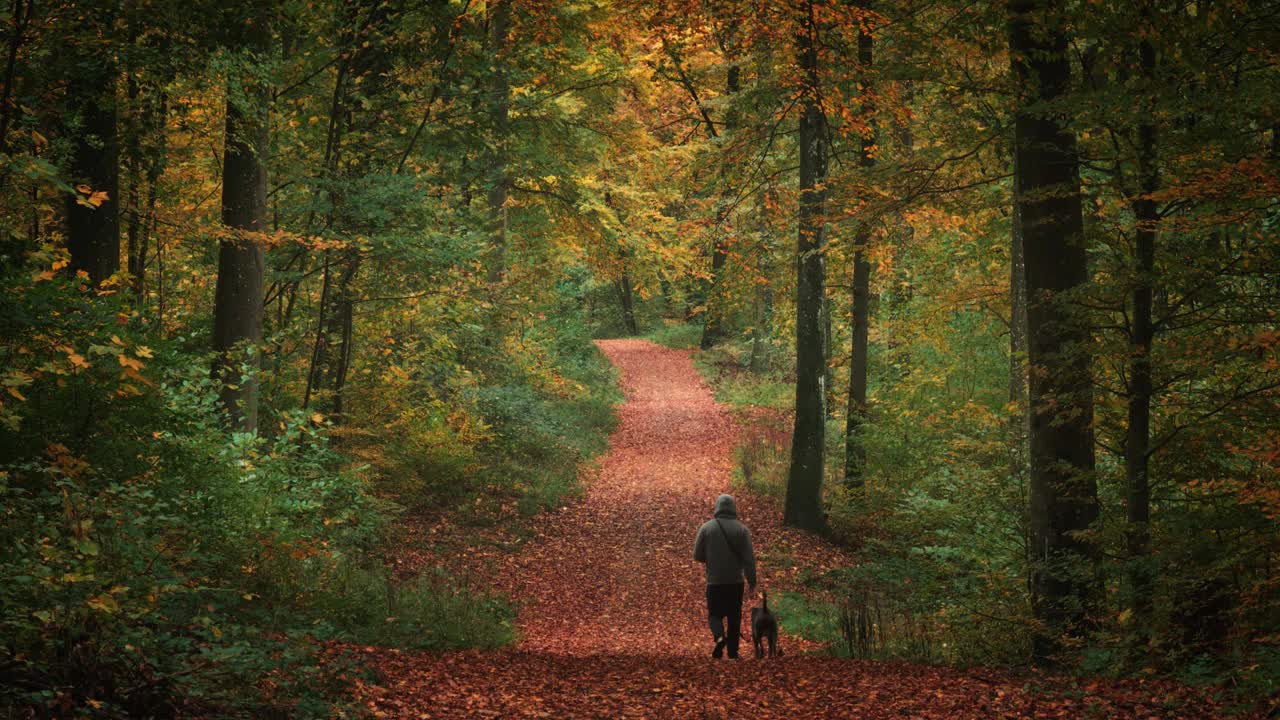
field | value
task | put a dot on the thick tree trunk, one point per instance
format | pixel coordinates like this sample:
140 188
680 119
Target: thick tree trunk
1063 493
93 233
855 454
237 312
803 506
1137 446
500 110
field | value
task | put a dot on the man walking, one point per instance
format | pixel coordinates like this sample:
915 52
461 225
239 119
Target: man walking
724 545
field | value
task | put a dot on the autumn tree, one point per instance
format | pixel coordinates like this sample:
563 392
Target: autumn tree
92 212
804 481
860 291
1063 494
237 312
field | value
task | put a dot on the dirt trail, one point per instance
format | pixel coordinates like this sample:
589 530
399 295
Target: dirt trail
611 604
613 573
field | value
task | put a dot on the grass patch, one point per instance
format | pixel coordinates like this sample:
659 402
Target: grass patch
811 619
676 335
746 390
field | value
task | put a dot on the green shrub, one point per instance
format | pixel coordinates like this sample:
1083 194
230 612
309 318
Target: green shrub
676 334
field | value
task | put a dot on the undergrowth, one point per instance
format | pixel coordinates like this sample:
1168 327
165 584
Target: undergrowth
158 565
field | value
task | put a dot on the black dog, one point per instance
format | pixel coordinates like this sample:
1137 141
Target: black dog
764 624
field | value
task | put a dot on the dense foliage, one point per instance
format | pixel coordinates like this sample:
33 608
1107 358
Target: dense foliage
158 561
284 280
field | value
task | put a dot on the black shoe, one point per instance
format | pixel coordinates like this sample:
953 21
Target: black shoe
719 651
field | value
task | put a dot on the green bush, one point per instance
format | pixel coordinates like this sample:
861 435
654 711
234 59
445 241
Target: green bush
674 334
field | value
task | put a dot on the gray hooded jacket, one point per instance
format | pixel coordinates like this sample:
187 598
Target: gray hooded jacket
724 566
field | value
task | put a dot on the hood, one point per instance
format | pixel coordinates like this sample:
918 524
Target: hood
726 507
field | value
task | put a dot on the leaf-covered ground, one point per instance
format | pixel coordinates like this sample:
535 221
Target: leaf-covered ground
611 604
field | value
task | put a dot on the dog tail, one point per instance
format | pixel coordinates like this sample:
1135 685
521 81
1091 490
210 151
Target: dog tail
764 594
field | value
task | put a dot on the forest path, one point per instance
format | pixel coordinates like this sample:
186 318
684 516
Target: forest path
614 573
611 616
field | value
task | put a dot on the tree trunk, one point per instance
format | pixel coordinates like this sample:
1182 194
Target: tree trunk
803 506
1141 335
237 312
762 310
361 81
1019 416
628 310
855 454
500 109
93 233
828 353
1063 493
713 326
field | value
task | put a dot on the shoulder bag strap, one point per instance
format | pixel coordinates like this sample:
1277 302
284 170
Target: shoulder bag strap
729 542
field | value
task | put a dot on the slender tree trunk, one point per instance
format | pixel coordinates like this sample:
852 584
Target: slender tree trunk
1141 335
1063 493
361 77
21 13
237 313
500 109
136 251
625 300
1019 416
319 348
762 315
713 327
93 233
803 507
828 354
855 454
761 326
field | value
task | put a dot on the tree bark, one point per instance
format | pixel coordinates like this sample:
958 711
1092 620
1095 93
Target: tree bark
855 455
93 233
803 507
237 313
762 310
713 327
1063 493
1019 416
623 286
1137 448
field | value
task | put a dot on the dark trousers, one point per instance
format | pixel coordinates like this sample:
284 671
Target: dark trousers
725 601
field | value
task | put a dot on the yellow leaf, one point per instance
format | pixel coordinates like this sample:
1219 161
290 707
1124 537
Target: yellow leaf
14 392
103 603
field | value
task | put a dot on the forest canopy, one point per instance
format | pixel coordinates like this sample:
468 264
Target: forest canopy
992 286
